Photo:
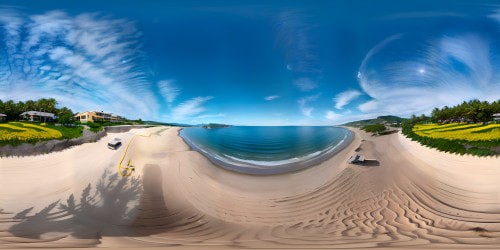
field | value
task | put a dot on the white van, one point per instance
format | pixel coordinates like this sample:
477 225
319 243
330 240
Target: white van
115 143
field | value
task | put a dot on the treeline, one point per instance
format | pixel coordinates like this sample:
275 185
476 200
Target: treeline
13 110
64 115
472 111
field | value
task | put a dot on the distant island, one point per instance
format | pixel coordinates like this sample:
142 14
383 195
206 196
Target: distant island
215 125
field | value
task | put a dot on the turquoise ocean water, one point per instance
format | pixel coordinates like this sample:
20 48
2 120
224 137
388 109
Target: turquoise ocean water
267 150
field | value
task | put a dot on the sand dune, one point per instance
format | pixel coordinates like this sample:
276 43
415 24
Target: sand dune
411 197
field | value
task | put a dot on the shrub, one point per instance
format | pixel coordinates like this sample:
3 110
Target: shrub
375 128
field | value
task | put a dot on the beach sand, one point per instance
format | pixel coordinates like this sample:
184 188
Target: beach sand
408 196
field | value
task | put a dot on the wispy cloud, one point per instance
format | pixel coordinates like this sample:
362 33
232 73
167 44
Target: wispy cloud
495 15
345 98
332 116
168 90
86 61
447 71
294 34
208 116
369 106
271 97
305 84
418 15
190 108
303 104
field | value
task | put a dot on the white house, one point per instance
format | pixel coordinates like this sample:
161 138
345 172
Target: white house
37 116
496 117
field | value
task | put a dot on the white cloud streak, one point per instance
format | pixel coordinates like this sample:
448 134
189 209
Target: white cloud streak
294 34
446 71
305 84
168 90
190 108
344 98
332 116
271 97
85 61
303 104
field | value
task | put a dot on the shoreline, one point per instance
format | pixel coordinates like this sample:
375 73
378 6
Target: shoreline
259 170
415 198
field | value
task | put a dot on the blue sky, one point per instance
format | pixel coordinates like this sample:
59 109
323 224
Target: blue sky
251 62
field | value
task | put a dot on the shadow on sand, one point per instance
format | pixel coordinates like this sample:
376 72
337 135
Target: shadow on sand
105 209
153 215
369 163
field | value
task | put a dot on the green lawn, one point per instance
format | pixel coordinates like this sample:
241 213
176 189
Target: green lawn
68 132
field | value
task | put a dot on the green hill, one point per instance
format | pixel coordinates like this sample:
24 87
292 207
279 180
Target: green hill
388 119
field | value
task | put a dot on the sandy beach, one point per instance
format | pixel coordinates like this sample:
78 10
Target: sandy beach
411 197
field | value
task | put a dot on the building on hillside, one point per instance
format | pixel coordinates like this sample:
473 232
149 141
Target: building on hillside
496 117
117 118
37 116
3 117
96 116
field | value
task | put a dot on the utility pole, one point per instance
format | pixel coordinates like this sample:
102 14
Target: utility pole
41 116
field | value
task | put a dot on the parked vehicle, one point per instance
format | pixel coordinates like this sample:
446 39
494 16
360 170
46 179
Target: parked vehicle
115 143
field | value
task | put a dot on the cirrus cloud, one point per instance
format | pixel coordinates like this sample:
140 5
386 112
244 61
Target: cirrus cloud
332 116
345 98
190 108
305 84
446 71
303 104
168 90
271 97
85 61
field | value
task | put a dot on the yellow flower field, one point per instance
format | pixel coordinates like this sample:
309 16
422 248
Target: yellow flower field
25 132
459 131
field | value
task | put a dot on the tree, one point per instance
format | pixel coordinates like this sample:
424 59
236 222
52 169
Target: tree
46 105
13 110
471 111
10 109
375 128
29 105
64 115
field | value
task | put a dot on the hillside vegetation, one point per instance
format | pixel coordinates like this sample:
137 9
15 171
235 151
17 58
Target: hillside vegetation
16 129
14 109
467 128
389 119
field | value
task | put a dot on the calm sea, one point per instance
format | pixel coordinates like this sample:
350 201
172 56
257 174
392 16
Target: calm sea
267 150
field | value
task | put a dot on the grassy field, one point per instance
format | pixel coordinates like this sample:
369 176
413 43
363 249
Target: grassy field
15 133
459 138
459 131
